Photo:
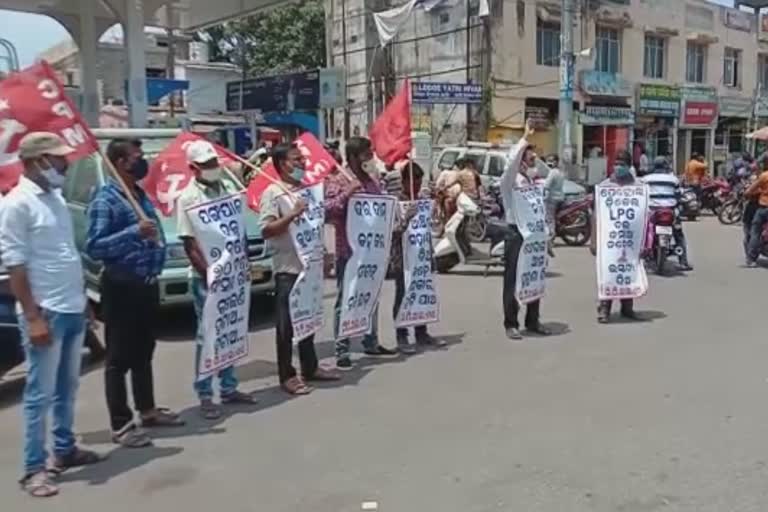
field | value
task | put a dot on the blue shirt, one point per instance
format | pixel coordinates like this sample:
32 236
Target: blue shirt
113 234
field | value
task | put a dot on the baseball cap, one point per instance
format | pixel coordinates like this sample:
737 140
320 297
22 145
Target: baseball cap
201 151
35 144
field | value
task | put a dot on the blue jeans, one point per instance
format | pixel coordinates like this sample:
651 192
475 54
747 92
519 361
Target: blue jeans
756 233
53 374
370 340
227 378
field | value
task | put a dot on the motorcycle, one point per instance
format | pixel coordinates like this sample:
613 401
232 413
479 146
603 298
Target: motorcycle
732 210
689 204
713 194
573 221
455 246
659 240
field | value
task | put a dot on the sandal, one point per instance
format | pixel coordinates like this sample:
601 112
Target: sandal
131 437
323 375
162 417
76 458
295 386
238 397
209 410
39 485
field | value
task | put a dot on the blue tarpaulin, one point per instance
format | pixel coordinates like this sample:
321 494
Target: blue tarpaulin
159 87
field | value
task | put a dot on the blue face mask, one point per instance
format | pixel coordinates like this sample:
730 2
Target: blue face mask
297 173
623 172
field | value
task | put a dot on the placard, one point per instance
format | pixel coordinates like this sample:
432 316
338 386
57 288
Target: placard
420 303
219 230
369 231
530 217
622 218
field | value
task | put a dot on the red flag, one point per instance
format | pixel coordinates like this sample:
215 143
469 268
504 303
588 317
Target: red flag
317 162
391 133
33 100
169 173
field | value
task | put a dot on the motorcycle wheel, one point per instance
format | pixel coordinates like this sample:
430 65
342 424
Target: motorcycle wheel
692 217
661 259
581 237
446 263
731 213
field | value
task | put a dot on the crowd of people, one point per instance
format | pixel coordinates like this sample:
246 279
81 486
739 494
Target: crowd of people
125 235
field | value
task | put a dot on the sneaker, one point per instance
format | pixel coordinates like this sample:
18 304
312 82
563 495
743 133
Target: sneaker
379 351
685 267
751 264
514 334
602 318
426 339
407 348
344 364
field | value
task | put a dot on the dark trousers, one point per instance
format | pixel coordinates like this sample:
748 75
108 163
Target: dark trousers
284 330
129 310
604 306
402 332
512 246
756 233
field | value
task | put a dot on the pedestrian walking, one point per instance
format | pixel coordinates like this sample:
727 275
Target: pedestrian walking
46 276
276 218
210 183
132 250
518 172
338 190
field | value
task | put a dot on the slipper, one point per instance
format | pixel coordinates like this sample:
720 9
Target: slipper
323 375
209 410
162 418
295 386
132 437
39 485
76 458
238 397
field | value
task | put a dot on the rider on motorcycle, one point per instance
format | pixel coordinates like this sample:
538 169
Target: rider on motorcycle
664 192
757 192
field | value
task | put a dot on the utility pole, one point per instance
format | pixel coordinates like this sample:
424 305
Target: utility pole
468 48
170 62
565 111
346 67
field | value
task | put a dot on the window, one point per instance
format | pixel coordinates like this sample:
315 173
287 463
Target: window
445 18
496 166
732 67
694 63
478 159
653 66
762 69
608 49
83 180
447 160
547 43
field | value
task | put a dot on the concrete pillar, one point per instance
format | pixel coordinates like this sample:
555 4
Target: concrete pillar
133 30
87 42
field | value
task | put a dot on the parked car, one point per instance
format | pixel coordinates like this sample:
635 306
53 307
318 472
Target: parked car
490 160
11 353
86 175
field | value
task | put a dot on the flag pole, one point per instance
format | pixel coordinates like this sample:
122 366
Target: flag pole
257 170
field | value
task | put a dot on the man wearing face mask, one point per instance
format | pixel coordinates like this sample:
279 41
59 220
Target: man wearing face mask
133 252
518 173
46 277
276 218
207 185
338 190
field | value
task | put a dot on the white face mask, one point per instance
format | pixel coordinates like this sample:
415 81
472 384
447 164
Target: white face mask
54 177
369 167
211 175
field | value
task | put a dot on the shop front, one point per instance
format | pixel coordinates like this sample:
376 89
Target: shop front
658 111
735 113
698 122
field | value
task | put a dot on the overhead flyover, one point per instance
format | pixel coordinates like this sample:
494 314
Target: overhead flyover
87 20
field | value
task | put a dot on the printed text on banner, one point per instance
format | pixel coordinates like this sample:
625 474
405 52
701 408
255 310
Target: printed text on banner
530 215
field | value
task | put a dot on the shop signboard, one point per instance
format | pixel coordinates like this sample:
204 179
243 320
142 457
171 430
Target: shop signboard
540 117
280 93
445 92
737 20
699 106
735 106
658 100
600 83
604 115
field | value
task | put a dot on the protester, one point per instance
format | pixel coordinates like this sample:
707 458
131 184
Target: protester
643 162
447 189
520 163
622 175
209 184
338 190
46 277
554 196
757 191
696 172
133 252
412 176
276 217
664 193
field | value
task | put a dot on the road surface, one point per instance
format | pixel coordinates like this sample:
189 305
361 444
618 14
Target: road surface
666 415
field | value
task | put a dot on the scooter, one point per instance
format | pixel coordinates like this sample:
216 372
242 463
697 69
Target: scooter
660 240
455 247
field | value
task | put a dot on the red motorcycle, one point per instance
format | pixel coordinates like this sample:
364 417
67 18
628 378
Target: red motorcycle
660 239
573 221
714 194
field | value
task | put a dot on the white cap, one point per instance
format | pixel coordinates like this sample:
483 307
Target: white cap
200 151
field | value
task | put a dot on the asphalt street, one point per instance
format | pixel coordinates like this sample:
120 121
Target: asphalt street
665 415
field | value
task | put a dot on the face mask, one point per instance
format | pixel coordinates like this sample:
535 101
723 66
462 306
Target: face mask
211 175
369 167
297 173
139 169
54 177
623 172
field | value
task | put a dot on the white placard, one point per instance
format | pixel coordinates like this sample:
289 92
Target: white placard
420 304
220 232
530 216
369 232
306 298
622 218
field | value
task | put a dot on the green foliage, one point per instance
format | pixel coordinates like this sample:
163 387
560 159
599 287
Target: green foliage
288 38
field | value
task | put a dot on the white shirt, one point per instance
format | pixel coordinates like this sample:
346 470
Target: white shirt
512 178
663 189
36 232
